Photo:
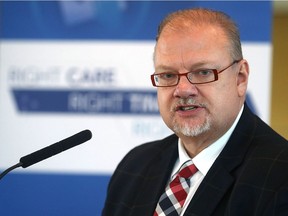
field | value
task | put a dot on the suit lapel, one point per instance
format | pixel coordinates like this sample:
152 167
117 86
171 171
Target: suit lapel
210 193
156 178
219 180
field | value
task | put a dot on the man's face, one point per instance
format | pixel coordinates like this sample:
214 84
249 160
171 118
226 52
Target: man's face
203 109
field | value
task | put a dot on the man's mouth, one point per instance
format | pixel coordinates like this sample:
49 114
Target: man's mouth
186 108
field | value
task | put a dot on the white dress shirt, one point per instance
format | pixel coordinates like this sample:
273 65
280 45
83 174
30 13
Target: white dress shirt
203 161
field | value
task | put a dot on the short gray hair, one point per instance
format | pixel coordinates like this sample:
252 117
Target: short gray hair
199 16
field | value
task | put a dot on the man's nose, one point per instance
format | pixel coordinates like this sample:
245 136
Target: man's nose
185 88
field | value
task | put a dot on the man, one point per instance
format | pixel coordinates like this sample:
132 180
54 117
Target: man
240 165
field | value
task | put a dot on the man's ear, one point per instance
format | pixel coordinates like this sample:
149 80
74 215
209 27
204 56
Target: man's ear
242 77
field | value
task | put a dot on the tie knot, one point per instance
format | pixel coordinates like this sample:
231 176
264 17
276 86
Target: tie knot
187 170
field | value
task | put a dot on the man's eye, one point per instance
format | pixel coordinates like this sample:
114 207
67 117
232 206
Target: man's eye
204 72
168 76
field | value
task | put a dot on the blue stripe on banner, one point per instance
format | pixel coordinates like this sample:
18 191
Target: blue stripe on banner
119 20
93 102
73 195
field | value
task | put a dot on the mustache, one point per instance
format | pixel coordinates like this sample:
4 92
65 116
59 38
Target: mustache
187 102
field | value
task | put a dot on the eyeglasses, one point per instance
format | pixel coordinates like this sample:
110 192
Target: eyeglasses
168 79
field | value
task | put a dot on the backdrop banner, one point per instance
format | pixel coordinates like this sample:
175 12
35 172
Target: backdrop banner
66 66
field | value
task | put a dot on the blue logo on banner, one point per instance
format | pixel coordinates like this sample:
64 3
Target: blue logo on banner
87 101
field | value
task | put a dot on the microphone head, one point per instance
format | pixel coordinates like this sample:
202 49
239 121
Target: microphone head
55 148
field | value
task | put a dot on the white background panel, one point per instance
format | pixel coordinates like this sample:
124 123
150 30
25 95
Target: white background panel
113 135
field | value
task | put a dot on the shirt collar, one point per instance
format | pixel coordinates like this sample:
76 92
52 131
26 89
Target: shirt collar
206 157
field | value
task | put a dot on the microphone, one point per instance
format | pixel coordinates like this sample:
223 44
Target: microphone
51 150
55 148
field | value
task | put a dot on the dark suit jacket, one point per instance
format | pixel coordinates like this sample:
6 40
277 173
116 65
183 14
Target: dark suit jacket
249 177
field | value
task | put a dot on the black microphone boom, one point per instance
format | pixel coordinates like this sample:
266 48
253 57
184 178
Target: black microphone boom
51 150
55 148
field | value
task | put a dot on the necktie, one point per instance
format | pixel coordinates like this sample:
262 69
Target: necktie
172 200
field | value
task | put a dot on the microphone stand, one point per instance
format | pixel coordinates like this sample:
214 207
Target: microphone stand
10 169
